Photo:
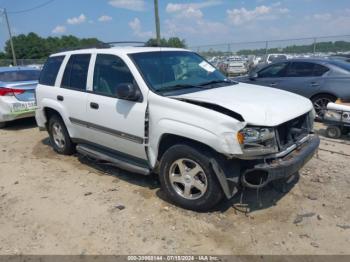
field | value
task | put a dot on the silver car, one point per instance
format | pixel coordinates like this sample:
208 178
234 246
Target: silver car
17 93
321 80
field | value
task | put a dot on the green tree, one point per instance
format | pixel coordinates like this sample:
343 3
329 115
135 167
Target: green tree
171 42
32 46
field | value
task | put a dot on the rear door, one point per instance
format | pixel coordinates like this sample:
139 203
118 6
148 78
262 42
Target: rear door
115 123
303 78
72 93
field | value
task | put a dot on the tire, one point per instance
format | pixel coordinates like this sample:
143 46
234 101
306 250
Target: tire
333 132
176 183
2 124
320 103
59 136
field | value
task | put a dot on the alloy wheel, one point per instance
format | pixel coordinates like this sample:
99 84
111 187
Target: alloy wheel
320 105
58 136
188 179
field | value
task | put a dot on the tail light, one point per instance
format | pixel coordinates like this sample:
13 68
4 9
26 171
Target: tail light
10 91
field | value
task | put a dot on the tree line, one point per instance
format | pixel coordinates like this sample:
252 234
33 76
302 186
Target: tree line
32 46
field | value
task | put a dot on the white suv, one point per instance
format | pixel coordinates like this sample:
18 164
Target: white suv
170 112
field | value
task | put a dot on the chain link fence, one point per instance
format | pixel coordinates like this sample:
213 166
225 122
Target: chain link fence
310 46
23 62
240 57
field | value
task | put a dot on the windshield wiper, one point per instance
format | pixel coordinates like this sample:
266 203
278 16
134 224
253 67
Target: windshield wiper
216 82
178 87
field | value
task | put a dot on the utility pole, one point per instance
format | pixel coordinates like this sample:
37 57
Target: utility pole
10 35
156 15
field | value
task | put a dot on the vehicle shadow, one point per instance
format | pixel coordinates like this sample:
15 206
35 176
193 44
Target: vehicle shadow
150 182
20 124
249 200
245 201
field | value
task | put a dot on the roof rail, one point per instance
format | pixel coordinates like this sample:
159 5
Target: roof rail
126 42
103 45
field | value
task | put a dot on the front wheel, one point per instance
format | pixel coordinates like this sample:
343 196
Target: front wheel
188 179
59 136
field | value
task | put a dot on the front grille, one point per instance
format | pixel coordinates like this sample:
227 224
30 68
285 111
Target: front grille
293 130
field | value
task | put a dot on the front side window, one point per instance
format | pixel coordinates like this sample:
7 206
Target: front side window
110 71
76 71
49 73
18 76
275 70
167 71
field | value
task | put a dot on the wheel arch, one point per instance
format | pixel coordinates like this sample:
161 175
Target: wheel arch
323 93
168 140
227 171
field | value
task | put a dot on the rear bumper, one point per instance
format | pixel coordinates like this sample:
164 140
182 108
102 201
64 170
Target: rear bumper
8 113
9 116
281 167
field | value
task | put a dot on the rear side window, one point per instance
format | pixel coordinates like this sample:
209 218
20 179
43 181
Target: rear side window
320 70
306 69
18 76
49 73
110 71
76 71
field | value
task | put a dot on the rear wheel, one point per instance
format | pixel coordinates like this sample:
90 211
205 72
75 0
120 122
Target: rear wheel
188 179
320 103
59 136
333 132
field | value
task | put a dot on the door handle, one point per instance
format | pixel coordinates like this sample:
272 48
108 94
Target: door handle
315 84
94 105
60 98
273 84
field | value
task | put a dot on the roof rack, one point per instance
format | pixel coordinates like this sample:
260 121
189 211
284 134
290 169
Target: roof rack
126 42
104 45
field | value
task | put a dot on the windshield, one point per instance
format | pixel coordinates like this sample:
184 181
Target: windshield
274 58
19 76
177 70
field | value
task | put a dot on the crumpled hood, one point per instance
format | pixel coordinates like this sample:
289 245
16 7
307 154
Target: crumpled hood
258 105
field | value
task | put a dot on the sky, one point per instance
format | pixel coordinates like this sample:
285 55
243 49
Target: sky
199 22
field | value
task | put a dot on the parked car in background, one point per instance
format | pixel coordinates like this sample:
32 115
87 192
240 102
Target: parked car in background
236 67
321 80
271 58
17 93
168 111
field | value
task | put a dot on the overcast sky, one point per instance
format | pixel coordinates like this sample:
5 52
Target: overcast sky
198 22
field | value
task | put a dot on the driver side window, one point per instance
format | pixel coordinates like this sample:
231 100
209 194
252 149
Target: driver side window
110 71
275 70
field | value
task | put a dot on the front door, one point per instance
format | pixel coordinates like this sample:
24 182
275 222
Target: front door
115 123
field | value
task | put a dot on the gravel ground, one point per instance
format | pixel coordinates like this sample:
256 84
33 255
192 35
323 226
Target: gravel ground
52 204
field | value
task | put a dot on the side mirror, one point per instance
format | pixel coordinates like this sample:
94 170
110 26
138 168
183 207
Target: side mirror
253 76
128 91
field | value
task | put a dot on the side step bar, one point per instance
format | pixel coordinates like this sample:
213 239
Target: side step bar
120 162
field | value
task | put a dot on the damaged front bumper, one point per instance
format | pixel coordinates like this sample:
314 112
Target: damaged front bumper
259 175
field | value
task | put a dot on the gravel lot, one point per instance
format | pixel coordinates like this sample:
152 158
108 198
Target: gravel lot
52 204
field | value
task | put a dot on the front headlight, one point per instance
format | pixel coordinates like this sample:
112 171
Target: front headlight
258 140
